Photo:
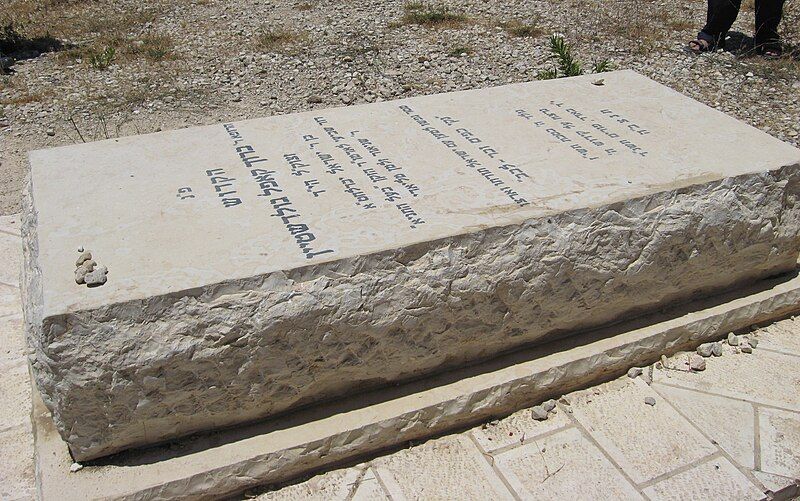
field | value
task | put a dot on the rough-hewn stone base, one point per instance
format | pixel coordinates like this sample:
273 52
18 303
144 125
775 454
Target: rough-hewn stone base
275 451
168 366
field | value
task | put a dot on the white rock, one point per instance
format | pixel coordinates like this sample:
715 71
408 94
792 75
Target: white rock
223 305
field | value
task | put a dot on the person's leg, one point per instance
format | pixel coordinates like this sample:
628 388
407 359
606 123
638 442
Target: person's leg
768 17
720 18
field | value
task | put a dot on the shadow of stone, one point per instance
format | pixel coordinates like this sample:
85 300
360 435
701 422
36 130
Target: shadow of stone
16 47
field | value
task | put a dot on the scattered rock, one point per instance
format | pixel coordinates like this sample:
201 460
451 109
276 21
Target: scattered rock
598 82
705 349
85 256
664 362
51 132
314 98
538 413
733 340
650 401
549 405
746 348
697 363
6 62
96 277
716 349
80 249
75 467
634 372
753 342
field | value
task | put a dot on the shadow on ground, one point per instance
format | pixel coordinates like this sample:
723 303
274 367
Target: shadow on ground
16 47
743 45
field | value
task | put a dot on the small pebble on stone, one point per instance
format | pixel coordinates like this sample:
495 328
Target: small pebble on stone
746 348
80 249
697 363
85 256
96 277
650 401
664 361
716 349
51 132
753 342
705 349
634 372
733 339
75 467
549 405
538 413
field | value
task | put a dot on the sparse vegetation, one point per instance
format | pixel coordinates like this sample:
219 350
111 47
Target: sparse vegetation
459 50
271 39
565 63
428 14
154 47
519 29
102 60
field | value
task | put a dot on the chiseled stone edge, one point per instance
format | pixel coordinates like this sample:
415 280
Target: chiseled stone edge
602 359
141 372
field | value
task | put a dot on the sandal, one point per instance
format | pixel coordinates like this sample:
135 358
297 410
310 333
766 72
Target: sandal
700 45
770 51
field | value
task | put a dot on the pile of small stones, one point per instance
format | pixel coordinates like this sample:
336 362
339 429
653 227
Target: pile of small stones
87 272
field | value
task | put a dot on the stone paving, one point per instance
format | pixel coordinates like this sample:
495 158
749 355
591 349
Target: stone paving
729 432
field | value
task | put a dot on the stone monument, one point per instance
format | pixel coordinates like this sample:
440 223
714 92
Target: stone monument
246 269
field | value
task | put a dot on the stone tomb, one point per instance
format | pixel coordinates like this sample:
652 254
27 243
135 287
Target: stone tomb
259 266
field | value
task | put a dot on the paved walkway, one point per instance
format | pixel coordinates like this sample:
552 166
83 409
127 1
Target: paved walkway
731 431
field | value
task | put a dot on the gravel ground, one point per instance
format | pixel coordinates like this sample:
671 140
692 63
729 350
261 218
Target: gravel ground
182 63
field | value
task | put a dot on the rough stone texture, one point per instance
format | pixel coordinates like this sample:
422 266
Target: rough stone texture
283 449
129 366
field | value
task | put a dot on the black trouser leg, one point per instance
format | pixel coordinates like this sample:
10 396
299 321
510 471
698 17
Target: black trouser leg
720 18
768 17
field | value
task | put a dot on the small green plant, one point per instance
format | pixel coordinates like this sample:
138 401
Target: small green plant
519 29
270 39
565 63
458 50
428 14
156 47
103 59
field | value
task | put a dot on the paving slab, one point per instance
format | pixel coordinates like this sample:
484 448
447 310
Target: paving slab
443 468
564 465
267 265
358 483
780 441
11 224
15 407
516 428
10 303
728 422
743 376
778 486
12 341
11 250
716 478
780 337
645 440
275 452
16 462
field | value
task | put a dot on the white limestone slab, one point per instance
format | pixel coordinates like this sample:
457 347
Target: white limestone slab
265 265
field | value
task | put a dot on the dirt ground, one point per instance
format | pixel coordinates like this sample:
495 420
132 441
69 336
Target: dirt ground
95 69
